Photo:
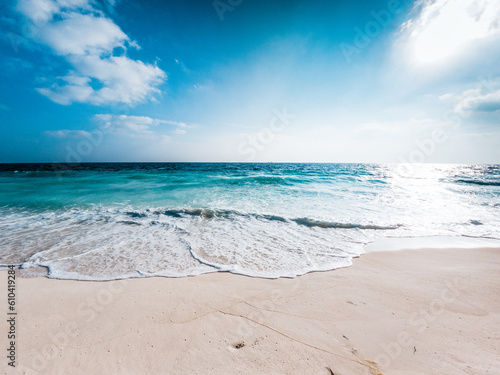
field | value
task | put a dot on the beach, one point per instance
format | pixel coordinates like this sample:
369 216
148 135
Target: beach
250 187
419 311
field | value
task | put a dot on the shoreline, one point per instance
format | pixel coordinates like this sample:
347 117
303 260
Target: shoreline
413 312
378 245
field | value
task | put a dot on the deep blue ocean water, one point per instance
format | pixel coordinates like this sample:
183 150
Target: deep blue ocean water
118 220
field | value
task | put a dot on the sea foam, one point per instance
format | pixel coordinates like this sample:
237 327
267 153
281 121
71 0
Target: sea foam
112 221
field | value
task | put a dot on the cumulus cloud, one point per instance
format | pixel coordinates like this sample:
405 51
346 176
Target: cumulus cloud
40 11
79 34
123 81
444 29
88 40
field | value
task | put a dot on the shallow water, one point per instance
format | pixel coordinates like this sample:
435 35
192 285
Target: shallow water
119 220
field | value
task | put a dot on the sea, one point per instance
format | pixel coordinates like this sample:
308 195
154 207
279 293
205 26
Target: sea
105 221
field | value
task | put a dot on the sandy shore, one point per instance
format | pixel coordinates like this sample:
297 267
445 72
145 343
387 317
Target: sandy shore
404 312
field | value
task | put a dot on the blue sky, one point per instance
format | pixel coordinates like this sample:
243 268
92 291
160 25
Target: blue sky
240 80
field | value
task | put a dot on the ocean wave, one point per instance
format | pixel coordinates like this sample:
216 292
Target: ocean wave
207 213
105 244
259 180
326 224
478 182
107 221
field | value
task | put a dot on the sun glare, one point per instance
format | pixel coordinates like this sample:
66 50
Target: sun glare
446 28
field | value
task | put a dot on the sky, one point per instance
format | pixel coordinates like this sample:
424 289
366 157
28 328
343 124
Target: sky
250 81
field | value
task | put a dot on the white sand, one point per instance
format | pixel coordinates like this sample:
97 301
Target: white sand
411 312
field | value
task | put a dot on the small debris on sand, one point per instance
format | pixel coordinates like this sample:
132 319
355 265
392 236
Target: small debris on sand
239 345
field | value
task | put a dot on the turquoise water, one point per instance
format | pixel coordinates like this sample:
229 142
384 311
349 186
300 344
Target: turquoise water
108 221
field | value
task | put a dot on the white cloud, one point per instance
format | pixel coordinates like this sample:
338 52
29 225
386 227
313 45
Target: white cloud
444 29
127 126
142 137
41 11
87 38
68 94
180 124
138 125
79 34
38 10
123 81
477 101
64 133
